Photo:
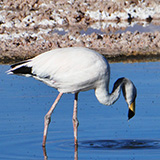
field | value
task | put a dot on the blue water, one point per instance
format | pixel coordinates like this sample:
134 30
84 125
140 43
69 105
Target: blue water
103 133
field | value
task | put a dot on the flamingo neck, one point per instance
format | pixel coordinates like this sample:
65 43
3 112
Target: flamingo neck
106 98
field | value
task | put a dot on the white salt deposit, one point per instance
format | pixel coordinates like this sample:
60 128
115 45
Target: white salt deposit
59 16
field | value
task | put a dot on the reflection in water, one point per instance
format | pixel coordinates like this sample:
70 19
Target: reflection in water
112 145
75 153
44 153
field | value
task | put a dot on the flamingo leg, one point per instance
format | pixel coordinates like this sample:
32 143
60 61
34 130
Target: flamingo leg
47 118
75 120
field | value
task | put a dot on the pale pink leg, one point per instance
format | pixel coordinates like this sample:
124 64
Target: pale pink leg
47 119
75 120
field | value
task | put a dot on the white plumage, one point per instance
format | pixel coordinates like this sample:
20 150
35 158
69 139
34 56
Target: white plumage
71 70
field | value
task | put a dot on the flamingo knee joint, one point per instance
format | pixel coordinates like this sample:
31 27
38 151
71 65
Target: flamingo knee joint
47 119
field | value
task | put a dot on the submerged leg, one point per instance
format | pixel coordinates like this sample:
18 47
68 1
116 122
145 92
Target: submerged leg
47 119
75 120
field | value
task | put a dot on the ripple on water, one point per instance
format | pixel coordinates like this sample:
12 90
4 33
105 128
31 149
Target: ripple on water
120 144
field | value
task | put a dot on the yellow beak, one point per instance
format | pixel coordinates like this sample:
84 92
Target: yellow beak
131 111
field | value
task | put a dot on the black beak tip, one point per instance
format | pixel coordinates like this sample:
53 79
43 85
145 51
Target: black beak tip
130 114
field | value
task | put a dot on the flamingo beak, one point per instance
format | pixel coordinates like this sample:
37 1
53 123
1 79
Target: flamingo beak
131 111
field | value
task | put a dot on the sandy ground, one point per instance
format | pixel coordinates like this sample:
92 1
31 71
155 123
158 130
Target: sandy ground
31 27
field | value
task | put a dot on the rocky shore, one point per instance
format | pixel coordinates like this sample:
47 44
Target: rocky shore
31 27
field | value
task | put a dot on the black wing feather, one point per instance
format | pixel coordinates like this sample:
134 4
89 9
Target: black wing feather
19 63
23 69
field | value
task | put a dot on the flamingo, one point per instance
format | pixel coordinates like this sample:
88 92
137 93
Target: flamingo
72 70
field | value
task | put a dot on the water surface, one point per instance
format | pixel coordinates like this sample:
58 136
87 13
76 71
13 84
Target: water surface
104 132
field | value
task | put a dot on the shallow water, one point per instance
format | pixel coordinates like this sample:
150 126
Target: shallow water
149 27
104 132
